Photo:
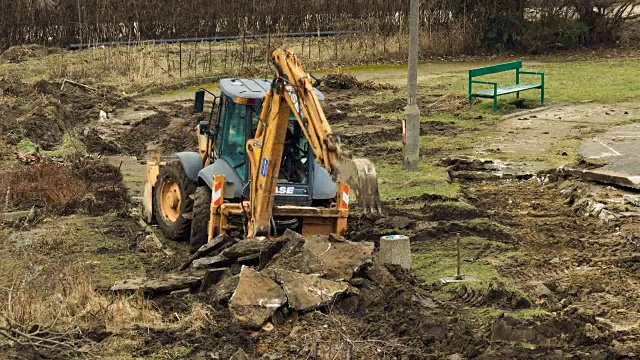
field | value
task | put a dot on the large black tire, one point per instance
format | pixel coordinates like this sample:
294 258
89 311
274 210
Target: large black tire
174 227
201 215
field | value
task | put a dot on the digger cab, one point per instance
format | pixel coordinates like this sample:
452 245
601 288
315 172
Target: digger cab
234 120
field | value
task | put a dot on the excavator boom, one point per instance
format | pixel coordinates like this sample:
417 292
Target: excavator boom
292 93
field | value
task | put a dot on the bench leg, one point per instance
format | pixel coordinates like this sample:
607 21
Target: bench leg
542 96
518 95
495 103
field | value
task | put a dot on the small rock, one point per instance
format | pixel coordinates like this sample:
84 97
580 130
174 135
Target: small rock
268 327
607 215
239 355
554 261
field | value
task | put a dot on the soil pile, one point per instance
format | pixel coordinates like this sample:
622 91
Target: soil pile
20 53
49 112
84 185
349 82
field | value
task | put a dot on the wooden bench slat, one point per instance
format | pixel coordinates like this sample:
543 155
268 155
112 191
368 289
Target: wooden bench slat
495 68
508 89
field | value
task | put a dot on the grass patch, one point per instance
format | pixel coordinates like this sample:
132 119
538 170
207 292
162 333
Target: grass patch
439 258
397 183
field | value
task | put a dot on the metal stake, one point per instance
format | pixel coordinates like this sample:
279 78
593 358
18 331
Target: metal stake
459 275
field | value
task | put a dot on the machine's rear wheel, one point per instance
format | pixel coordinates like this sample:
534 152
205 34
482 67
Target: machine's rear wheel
173 204
201 215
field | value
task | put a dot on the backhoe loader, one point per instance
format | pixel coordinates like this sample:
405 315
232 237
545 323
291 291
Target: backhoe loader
267 161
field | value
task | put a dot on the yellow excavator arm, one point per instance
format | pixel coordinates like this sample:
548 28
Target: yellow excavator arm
292 93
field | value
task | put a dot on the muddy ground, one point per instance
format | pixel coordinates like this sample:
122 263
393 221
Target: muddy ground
551 282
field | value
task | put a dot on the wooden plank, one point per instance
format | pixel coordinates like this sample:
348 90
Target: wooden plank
495 68
509 89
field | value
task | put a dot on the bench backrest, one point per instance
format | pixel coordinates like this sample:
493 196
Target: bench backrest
495 68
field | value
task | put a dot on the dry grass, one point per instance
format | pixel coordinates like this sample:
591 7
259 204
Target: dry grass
70 314
52 186
136 69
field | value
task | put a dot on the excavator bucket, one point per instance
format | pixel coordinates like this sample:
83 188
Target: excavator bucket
361 175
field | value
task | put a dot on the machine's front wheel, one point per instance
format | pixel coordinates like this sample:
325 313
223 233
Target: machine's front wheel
173 204
201 215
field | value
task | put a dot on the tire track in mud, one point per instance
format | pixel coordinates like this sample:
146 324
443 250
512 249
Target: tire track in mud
584 263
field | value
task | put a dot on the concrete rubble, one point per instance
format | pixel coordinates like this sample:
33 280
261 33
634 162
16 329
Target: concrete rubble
474 169
261 279
256 298
309 291
166 284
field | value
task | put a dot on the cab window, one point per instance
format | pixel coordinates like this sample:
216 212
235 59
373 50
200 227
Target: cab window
234 137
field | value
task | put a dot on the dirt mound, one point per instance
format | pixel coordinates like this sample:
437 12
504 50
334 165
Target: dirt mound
50 112
20 53
156 128
349 82
86 185
106 189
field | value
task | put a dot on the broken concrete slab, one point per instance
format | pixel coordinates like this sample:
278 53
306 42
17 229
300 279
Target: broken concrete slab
209 248
307 292
245 248
632 199
223 291
211 262
256 298
603 176
212 277
340 260
476 169
166 284
319 255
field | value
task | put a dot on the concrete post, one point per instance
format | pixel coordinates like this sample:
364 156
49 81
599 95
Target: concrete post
395 250
411 125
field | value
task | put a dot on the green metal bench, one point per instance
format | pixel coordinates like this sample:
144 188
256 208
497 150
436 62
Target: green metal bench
499 91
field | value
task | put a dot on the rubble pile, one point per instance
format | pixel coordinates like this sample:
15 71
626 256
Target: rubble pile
262 280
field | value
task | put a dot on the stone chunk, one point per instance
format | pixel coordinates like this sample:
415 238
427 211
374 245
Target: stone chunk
214 245
256 298
212 262
308 292
212 277
223 291
167 284
245 248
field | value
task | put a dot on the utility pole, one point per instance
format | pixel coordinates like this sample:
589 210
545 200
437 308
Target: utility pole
80 23
411 122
